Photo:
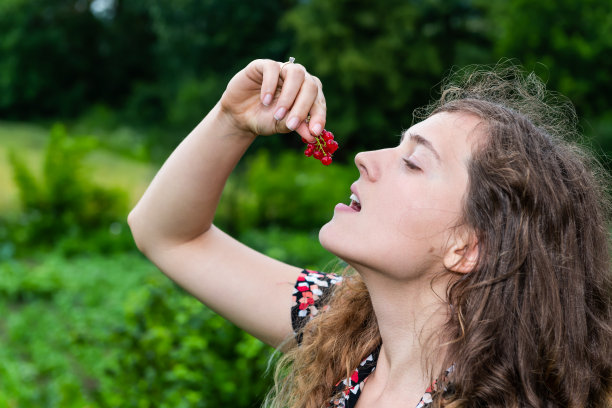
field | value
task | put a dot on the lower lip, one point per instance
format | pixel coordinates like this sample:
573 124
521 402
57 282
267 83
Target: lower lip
344 207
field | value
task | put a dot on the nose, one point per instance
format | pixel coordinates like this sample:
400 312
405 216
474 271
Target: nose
368 164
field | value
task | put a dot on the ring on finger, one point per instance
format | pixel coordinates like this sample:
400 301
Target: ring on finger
291 61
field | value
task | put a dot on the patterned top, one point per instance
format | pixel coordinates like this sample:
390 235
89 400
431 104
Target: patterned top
311 295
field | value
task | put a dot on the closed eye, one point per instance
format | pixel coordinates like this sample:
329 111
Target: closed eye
411 165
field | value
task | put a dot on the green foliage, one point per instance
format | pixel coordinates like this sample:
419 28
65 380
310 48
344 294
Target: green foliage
194 97
114 332
286 189
567 43
571 39
64 203
220 36
380 60
601 143
56 57
112 134
198 47
177 353
57 314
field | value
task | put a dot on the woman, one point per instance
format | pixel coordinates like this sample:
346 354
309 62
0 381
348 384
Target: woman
480 244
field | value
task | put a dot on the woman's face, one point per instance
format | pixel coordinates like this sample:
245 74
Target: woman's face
410 198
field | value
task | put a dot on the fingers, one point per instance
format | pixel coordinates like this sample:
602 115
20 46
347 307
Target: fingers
301 95
318 112
317 118
293 76
292 94
269 83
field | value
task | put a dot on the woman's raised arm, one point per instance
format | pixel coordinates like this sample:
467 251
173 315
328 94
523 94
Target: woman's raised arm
172 222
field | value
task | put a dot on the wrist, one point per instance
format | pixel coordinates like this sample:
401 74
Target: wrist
229 125
219 127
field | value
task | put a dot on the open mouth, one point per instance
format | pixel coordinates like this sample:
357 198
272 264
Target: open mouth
355 204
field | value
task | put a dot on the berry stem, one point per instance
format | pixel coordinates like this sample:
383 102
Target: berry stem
320 144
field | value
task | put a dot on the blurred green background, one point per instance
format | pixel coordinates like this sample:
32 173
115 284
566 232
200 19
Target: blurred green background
95 94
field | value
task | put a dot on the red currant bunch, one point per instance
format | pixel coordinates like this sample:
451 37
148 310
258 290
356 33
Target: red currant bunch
322 148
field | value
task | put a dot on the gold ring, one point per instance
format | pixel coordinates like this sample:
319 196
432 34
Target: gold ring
291 60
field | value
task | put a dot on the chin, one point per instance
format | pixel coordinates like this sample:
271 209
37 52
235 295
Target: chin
325 239
335 241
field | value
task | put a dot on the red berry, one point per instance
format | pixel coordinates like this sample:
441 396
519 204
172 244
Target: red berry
322 147
331 146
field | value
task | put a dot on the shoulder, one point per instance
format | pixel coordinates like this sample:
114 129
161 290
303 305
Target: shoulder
311 295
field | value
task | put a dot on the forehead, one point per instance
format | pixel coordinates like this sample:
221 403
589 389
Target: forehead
448 132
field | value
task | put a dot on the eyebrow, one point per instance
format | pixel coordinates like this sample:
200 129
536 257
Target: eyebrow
420 140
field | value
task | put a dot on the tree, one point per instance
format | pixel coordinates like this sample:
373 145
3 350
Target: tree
56 58
380 60
569 42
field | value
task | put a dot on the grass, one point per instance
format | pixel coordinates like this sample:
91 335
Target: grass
105 167
57 316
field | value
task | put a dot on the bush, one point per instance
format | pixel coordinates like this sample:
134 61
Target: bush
112 133
177 353
63 203
56 319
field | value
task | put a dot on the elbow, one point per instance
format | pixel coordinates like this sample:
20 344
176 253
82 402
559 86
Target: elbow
152 236
149 238
135 226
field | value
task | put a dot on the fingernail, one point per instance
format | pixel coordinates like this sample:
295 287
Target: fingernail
267 99
293 123
317 128
280 113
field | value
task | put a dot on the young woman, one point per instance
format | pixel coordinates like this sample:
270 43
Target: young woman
479 242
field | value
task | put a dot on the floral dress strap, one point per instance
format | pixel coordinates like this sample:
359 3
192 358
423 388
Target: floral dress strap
311 295
350 388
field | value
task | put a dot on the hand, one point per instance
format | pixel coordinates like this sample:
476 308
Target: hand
263 99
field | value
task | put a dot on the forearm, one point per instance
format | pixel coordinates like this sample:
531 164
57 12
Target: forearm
180 203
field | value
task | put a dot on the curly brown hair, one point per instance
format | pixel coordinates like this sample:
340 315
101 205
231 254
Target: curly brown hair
531 324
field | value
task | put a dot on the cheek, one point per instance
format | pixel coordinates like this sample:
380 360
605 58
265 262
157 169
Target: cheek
419 230
426 223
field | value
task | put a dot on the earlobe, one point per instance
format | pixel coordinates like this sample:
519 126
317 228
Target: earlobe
462 257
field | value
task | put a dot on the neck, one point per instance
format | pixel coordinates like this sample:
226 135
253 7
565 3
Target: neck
410 315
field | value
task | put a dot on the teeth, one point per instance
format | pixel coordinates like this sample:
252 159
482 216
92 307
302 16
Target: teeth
354 198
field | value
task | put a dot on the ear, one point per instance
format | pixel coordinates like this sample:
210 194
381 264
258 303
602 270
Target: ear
462 255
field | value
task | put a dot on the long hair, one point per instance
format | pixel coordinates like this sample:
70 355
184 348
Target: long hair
531 324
